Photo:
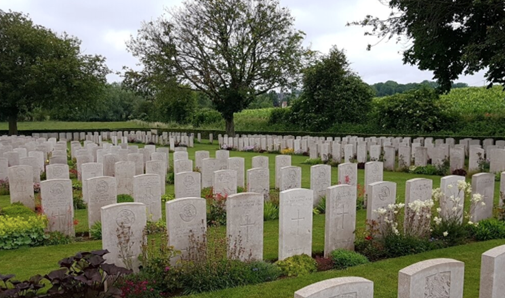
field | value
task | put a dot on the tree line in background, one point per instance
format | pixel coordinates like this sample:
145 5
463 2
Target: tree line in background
209 60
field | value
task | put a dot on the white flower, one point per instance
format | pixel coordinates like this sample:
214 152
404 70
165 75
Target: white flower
437 220
449 186
483 203
428 215
455 208
380 211
462 184
477 197
470 222
445 233
439 209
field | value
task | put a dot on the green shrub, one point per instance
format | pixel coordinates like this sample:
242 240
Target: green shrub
321 205
488 229
153 227
79 202
344 258
403 245
4 188
412 111
206 116
17 209
312 161
297 265
271 211
57 238
124 198
96 230
18 231
279 116
77 185
170 179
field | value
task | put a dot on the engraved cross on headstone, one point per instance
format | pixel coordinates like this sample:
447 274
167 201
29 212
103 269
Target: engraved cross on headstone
298 219
247 224
342 212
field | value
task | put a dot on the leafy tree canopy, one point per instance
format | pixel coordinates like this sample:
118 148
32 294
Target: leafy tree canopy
39 68
449 38
230 50
332 94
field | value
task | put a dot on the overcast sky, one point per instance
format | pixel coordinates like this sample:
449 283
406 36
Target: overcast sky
104 26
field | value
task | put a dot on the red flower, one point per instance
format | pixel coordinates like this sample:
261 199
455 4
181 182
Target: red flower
76 222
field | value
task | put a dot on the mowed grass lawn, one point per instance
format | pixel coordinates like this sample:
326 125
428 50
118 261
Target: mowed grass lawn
26 262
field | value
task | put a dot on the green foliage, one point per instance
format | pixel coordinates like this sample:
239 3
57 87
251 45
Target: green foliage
312 161
321 205
297 265
79 202
332 94
455 232
403 245
412 111
279 116
205 117
440 169
96 230
157 266
17 209
448 38
271 211
57 238
140 285
19 231
184 47
153 227
217 208
4 188
48 66
344 258
77 185
488 229
124 198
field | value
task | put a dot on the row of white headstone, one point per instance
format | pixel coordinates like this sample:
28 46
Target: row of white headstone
434 278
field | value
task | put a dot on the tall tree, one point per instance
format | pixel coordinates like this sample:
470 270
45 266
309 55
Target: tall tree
39 68
449 38
332 93
231 50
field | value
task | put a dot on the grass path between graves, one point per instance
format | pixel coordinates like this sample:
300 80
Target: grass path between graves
384 274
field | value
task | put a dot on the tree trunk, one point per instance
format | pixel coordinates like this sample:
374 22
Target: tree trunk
13 122
230 126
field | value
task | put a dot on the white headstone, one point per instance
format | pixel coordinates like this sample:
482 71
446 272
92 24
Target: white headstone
348 173
244 226
280 162
442 278
186 223
187 184
100 192
291 177
57 171
225 182
295 222
340 287
123 233
21 185
340 218
492 275
57 204
124 172
146 190
320 180
483 184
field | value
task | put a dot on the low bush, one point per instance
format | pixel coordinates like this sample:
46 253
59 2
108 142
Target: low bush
205 117
79 202
297 265
96 230
488 229
344 258
18 231
57 238
321 205
271 211
17 209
